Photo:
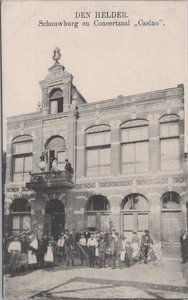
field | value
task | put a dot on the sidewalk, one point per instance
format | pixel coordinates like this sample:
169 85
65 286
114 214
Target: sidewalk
139 281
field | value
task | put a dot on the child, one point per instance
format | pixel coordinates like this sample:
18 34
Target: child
49 255
128 254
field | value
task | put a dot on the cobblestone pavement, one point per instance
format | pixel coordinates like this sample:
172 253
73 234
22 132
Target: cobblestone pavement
62 282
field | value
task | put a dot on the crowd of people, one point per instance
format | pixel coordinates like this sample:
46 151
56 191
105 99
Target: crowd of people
89 248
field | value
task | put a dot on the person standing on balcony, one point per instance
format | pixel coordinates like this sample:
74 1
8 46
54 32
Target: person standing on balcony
54 168
68 166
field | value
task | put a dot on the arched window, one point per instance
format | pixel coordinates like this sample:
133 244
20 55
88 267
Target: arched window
22 149
98 150
56 101
21 215
171 200
135 146
135 212
135 202
169 139
97 202
56 149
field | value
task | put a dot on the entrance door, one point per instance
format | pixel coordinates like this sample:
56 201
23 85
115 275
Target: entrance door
54 224
136 221
171 228
98 220
54 218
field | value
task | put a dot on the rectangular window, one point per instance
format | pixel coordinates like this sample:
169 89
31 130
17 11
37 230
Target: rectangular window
98 161
170 154
98 138
16 222
60 105
26 147
169 129
53 107
21 223
22 166
134 134
61 160
104 221
26 222
135 157
128 222
142 222
91 221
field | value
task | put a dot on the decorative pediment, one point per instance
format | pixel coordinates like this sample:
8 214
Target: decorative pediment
169 118
134 123
98 128
22 138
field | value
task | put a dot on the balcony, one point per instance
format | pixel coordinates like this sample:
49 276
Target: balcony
50 180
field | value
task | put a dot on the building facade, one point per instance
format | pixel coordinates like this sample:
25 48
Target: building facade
128 159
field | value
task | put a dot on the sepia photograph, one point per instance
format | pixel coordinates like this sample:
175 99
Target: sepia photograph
95 149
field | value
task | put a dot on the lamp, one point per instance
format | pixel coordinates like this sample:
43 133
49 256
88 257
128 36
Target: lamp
42 164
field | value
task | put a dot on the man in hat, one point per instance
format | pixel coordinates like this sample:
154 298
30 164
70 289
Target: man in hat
92 244
184 246
146 241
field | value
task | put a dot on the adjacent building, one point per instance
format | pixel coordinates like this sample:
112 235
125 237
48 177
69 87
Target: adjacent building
128 159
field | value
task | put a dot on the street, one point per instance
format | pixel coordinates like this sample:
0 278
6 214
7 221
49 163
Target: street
62 282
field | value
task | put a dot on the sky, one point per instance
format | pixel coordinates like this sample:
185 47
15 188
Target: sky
106 61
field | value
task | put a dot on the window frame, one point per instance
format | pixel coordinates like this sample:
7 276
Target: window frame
21 216
21 155
134 142
170 137
59 104
97 147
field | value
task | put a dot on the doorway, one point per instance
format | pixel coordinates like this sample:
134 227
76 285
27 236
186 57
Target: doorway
171 224
135 214
54 222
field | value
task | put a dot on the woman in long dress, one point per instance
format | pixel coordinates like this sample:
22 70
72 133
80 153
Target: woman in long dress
33 247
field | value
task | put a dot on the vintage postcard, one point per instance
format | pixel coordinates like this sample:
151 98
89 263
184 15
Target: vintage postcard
95 149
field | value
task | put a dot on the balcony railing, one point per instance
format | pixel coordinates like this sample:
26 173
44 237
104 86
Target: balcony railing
50 180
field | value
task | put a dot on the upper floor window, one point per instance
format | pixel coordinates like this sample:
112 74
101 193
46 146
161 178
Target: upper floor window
134 146
98 152
56 101
22 158
169 139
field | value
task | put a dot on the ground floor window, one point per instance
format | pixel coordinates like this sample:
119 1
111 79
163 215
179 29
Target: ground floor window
20 215
97 212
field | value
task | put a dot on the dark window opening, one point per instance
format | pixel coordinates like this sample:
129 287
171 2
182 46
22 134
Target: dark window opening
97 202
